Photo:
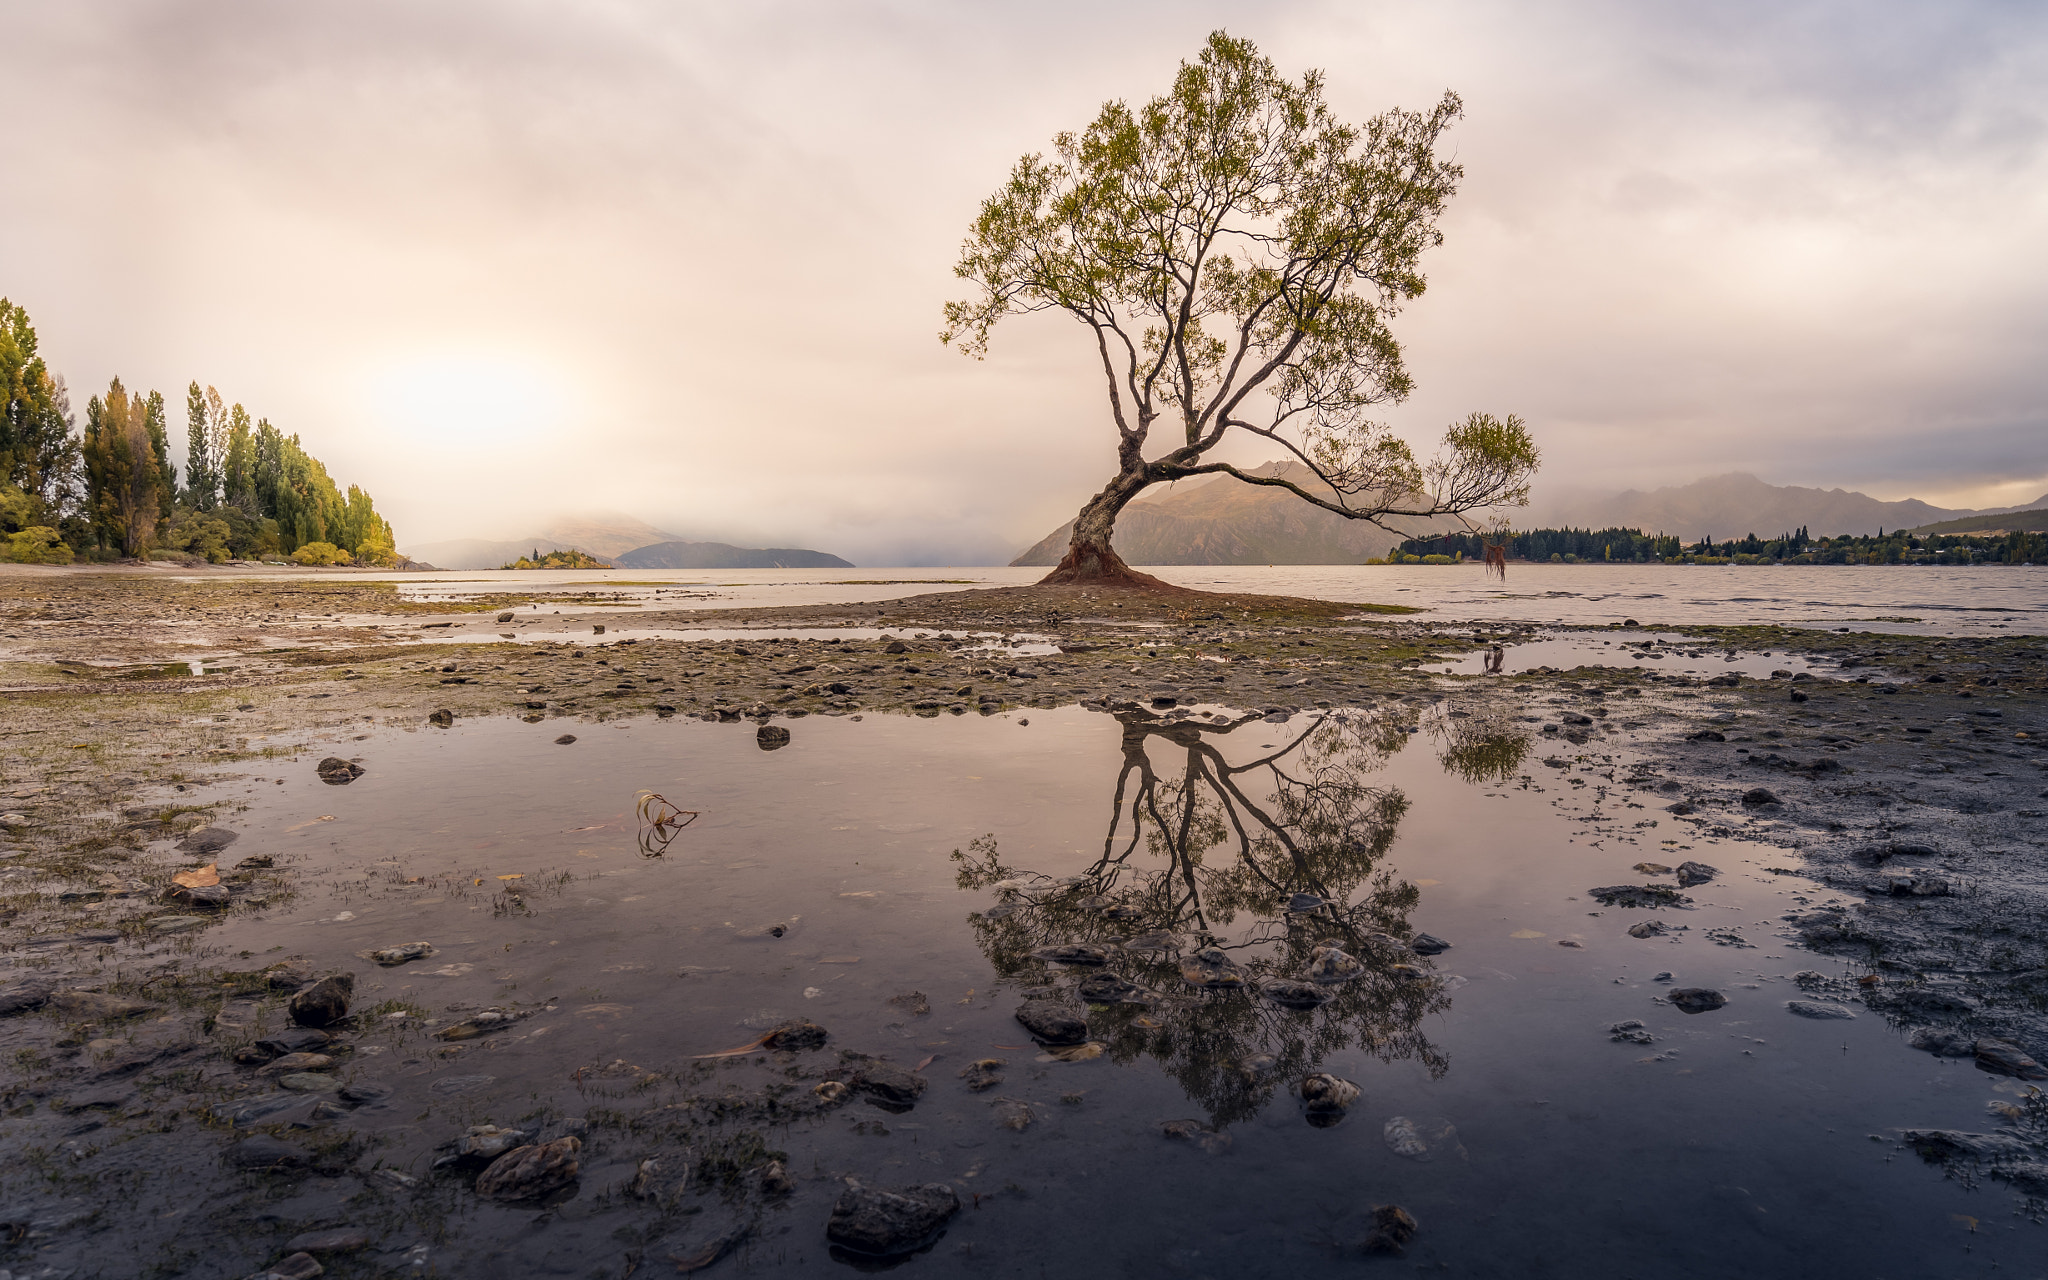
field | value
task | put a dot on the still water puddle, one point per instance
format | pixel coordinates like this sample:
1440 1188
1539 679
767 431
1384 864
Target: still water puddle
1668 653
1181 884
970 641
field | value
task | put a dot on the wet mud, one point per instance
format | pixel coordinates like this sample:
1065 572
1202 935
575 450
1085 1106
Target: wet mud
1181 944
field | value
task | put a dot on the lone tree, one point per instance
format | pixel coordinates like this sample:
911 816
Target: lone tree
1237 253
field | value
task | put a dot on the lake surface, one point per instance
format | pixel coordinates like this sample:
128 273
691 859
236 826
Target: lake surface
1901 599
867 869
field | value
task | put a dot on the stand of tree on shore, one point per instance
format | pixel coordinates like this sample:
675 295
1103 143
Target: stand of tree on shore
112 492
1633 546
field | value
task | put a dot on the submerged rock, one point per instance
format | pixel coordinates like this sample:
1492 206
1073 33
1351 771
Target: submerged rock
1194 1131
662 1179
1692 873
986 1073
1421 1139
325 1002
1953 1144
771 737
526 1173
1078 953
484 1143
1212 969
2003 1057
1392 1229
1942 1042
884 1222
97 1004
297 1266
1052 1023
1819 1009
1698 999
889 1085
1255 1067
1423 944
24 996
332 1240
337 772
1332 964
1638 896
1326 1098
401 954
1106 988
1631 1031
482 1022
441 719
1295 995
1012 1114
1647 929
796 1034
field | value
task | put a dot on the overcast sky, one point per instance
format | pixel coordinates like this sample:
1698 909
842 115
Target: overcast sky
497 260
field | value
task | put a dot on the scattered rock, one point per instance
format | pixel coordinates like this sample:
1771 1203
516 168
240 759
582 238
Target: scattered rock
333 1240
1819 1009
771 737
442 718
1423 944
1295 995
1074 953
197 895
1012 1114
505 616
299 1062
884 1222
1213 970
1326 1098
1330 964
484 1143
1952 1144
480 1023
1051 1023
1195 1131
1638 896
1692 873
263 1153
830 1091
1107 988
402 953
337 772
796 1034
986 1073
1698 999
97 1004
24 996
914 1004
1392 1229
207 841
325 1002
1647 929
1942 1042
1423 1140
2003 1057
526 1173
775 1179
662 1179
896 1088
1759 796
294 1040
1303 902
297 1266
565 739
1631 1031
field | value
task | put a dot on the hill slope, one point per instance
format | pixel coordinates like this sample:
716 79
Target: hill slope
1219 520
1732 505
718 555
2005 521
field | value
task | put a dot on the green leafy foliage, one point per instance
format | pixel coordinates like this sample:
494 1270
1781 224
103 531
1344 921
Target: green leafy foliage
1237 253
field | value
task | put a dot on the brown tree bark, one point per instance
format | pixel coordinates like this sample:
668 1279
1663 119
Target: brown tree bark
1090 559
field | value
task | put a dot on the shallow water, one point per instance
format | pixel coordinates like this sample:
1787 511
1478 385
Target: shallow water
1667 653
1739 1142
1900 599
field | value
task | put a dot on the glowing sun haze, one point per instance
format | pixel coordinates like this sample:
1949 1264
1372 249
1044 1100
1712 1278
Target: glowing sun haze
498 260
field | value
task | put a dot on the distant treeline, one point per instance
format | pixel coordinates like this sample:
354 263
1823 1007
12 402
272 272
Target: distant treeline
249 491
1633 546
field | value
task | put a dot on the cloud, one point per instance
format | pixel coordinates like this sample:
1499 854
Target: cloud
496 260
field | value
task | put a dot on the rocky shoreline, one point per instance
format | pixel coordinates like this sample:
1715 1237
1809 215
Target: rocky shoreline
1906 773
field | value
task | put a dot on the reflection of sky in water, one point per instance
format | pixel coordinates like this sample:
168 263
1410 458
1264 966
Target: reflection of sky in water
1736 1139
1906 599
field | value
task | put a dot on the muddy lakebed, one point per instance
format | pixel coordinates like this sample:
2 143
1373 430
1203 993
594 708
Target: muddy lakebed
1160 947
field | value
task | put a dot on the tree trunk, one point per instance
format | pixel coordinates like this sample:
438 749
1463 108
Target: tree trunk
1090 559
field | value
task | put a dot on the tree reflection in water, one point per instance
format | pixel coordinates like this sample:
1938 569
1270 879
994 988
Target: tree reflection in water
1266 860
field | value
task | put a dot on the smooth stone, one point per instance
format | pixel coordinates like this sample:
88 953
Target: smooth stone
1697 999
1423 944
884 1222
2003 1057
1819 1009
308 1082
97 1004
526 1173
325 1002
1052 1023
207 841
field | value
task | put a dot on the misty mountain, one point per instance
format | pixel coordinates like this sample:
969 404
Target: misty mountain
604 536
1737 504
1221 520
718 555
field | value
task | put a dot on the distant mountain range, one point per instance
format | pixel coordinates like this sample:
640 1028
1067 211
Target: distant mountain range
717 555
1220 520
626 542
1737 504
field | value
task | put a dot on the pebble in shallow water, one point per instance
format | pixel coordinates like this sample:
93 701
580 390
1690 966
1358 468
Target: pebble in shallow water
986 1073
325 1002
884 1222
1698 999
1818 1009
527 1173
402 953
1331 964
1295 995
1052 1023
1212 969
1421 1139
1326 1098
